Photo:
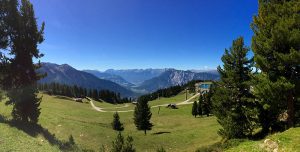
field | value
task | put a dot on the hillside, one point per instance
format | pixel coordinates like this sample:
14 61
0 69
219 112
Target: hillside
136 76
288 141
173 77
65 74
111 77
91 129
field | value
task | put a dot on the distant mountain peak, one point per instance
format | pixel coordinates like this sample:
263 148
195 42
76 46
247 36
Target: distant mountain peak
66 74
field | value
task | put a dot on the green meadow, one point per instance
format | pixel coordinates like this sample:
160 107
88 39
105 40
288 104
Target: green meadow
174 129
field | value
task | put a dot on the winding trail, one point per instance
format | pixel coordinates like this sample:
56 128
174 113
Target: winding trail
186 102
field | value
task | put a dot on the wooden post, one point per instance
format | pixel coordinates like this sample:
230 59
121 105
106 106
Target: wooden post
158 109
186 95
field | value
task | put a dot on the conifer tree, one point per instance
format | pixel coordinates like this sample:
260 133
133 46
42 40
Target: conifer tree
24 37
128 147
206 104
142 116
116 124
117 145
199 108
194 109
277 52
120 146
232 100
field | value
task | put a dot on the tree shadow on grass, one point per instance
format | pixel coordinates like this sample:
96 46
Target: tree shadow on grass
34 130
161 132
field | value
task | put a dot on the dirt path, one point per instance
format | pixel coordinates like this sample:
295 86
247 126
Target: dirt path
126 105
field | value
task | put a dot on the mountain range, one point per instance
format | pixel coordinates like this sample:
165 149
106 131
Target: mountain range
136 76
65 74
111 77
174 77
132 82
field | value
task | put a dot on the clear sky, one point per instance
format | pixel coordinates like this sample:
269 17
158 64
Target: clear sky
127 34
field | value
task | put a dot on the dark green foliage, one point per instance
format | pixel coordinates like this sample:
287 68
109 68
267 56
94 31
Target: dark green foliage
142 116
79 92
194 109
276 45
118 143
120 146
168 92
232 100
128 147
161 149
200 104
23 36
63 90
191 85
116 124
205 104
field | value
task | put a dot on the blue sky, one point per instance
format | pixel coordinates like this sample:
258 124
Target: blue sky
127 34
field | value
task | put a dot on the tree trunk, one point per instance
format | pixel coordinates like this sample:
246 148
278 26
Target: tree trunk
290 111
145 131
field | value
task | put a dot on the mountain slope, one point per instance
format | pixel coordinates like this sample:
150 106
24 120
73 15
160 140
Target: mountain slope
175 77
66 74
111 77
136 76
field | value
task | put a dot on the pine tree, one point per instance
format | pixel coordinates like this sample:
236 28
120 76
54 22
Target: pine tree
194 109
128 147
116 124
117 145
24 36
232 100
277 51
142 116
199 108
120 146
206 105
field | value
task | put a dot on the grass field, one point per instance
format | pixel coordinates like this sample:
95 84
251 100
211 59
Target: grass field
128 106
288 141
175 130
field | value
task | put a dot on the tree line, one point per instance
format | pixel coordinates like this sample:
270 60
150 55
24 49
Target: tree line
203 106
169 92
262 92
80 92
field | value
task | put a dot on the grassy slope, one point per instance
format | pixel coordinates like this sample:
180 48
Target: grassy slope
176 130
12 139
289 141
176 99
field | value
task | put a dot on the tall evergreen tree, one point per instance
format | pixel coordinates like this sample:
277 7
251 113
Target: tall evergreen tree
199 108
23 37
142 116
194 109
206 105
4 41
116 124
276 45
233 102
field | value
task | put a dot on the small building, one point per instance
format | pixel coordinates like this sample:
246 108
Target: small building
203 87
